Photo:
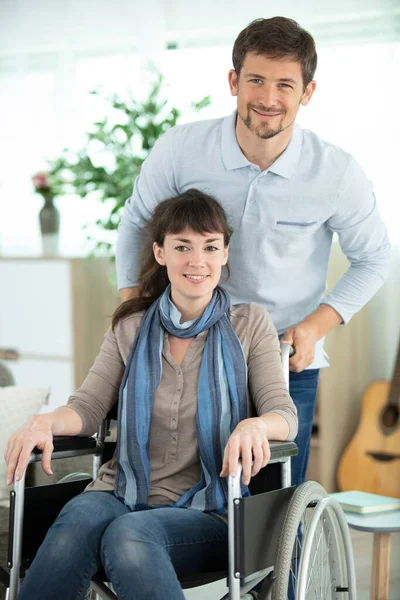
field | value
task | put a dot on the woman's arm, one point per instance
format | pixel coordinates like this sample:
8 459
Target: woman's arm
99 391
86 409
268 389
250 441
277 426
38 432
277 418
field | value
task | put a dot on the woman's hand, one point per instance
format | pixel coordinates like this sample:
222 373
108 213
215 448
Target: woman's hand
249 440
36 432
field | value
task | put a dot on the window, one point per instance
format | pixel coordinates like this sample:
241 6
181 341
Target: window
355 107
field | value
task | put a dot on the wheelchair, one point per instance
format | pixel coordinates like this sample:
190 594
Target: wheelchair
294 542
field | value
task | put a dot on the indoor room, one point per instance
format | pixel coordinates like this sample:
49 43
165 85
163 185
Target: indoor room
86 89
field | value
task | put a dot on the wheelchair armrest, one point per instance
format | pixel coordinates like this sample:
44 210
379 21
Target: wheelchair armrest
69 446
282 450
280 453
62 443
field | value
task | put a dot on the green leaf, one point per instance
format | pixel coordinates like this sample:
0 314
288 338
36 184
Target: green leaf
123 139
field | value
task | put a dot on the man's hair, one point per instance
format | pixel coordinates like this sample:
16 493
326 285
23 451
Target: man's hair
277 37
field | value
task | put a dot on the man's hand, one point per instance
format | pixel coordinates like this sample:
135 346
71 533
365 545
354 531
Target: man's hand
36 432
305 335
250 441
303 339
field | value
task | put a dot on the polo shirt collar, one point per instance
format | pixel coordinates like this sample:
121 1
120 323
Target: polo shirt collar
285 165
233 158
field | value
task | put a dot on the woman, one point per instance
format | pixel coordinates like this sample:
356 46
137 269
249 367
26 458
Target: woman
184 365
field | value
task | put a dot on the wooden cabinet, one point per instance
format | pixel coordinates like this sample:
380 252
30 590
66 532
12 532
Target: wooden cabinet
54 313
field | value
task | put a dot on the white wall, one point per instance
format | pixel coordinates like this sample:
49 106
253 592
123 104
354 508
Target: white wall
48 25
330 22
52 52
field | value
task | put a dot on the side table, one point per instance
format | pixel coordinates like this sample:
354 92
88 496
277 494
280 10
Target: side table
382 525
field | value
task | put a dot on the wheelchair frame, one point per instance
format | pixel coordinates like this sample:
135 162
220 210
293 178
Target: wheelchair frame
244 569
281 452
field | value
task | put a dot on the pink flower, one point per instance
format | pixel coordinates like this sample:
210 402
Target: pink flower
40 181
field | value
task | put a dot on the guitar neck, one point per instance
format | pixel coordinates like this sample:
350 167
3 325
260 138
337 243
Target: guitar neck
394 393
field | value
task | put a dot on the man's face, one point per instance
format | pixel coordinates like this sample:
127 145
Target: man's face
269 93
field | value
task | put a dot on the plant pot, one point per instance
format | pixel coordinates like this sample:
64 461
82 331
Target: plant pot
49 219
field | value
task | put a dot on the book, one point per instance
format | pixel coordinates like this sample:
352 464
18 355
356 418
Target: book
365 503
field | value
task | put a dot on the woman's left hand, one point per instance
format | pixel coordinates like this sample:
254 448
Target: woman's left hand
250 442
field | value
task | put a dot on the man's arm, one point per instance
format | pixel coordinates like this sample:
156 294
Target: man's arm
128 293
154 184
363 239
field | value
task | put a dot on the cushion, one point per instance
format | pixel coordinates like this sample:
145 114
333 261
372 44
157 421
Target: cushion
17 404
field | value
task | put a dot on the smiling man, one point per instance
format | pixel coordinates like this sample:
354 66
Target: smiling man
269 96
286 192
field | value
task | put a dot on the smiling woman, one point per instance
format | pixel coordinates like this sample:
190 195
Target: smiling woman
198 383
189 238
194 262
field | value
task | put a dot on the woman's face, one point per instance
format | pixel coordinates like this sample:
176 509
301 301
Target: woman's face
194 262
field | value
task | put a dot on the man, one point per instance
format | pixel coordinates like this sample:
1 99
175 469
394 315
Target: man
286 191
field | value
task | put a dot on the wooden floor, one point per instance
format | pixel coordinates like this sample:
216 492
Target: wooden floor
362 547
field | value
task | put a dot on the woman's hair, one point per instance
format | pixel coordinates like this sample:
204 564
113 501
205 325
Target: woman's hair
191 210
277 37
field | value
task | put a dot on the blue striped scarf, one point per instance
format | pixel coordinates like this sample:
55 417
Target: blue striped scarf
221 402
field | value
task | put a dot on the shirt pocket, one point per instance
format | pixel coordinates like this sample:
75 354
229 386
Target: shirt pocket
297 235
297 225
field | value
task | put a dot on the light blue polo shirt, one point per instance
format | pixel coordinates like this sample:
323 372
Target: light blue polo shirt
283 218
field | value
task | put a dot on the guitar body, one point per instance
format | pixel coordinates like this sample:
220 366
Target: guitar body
371 462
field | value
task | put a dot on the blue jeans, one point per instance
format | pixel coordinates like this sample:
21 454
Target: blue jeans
303 390
142 553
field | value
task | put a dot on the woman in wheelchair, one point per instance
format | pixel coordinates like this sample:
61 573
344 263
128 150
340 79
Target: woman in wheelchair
182 363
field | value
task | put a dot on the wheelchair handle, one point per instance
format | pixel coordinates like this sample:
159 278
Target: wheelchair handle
286 352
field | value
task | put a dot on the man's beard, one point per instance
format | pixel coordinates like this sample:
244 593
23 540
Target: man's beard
263 131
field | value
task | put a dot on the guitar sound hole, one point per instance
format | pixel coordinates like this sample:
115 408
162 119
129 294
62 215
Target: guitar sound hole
390 417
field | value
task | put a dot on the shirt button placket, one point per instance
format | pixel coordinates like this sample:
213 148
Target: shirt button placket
250 194
174 419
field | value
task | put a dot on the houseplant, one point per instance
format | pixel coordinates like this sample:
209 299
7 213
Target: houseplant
123 141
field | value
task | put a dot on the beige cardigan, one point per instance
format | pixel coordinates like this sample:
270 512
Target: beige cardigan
173 450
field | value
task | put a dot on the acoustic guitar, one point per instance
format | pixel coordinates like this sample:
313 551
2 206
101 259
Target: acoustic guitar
371 462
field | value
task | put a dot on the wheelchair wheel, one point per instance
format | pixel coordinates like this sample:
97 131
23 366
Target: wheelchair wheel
314 559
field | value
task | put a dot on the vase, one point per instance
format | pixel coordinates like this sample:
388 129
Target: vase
49 219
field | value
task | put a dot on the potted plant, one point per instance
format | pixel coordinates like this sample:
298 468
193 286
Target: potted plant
123 142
